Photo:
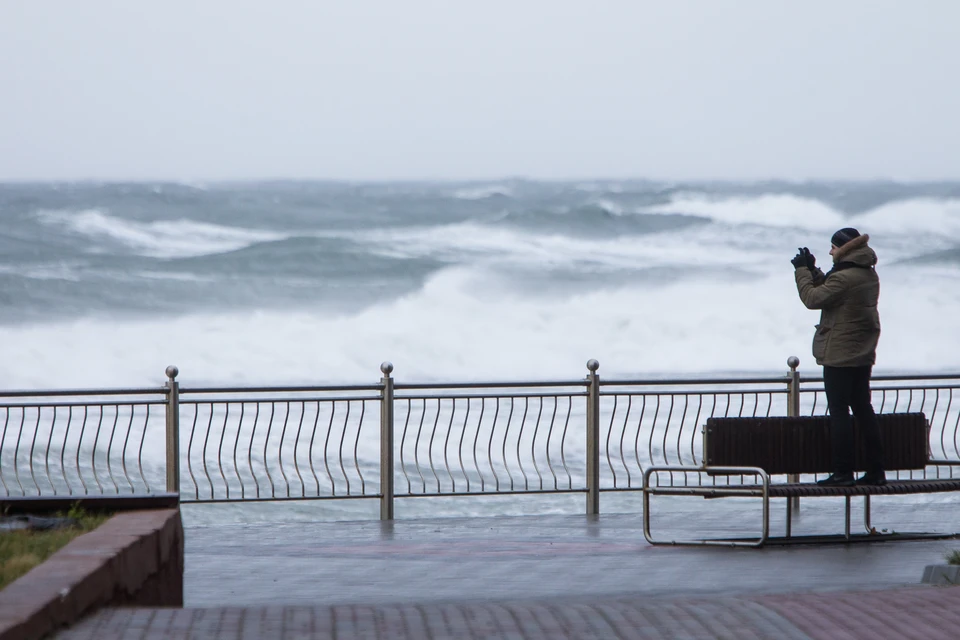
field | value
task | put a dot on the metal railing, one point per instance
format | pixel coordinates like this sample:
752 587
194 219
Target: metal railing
936 396
279 443
392 440
657 423
80 442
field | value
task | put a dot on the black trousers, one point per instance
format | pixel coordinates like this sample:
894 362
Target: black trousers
848 388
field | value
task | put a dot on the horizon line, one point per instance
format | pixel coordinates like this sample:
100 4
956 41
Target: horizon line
476 180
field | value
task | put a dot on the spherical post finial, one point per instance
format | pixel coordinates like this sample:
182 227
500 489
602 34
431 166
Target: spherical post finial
592 364
172 372
386 367
793 362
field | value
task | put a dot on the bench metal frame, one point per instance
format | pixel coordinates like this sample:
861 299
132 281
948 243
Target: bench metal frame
762 491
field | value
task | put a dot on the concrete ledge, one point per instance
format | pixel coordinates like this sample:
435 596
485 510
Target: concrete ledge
941 574
134 558
13 505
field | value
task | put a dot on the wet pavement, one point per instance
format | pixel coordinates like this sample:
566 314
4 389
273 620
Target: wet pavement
554 576
547 556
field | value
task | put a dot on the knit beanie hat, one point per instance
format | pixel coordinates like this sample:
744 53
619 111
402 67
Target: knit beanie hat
844 236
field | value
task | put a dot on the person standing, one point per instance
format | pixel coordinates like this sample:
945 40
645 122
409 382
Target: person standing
845 345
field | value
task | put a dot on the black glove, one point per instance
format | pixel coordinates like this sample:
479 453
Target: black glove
811 260
799 260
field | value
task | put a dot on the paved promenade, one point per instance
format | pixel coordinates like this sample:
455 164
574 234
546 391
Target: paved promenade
931 613
561 576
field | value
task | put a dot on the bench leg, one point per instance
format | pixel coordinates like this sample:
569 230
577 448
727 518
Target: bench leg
789 516
793 503
866 515
846 527
650 488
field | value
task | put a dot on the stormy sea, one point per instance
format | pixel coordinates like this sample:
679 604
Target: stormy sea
313 283
318 282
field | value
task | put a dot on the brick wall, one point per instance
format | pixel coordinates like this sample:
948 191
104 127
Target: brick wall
134 558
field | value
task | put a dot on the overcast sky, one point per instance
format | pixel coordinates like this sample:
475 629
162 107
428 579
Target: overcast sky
444 89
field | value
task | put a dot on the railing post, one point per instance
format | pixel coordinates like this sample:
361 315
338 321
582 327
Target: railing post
793 410
593 439
386 443
173 430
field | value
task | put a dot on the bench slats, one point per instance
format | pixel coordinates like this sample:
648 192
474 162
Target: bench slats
782 445
895 487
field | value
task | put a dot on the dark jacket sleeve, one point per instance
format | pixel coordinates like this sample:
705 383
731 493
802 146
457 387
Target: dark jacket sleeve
825 295
817 276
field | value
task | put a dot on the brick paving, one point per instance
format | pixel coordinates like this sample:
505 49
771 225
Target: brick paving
918 612
546 577
924 613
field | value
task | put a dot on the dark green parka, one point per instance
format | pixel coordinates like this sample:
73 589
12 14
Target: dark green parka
849 326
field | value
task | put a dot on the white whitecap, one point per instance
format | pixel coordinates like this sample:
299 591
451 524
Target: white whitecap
473 242
173 275
481 192
460 326
600 187
67 271
913 217
159 238
610 207
769 210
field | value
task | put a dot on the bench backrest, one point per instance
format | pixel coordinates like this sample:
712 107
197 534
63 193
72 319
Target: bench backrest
781 445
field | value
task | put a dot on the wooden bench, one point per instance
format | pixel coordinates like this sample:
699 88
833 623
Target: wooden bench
788 447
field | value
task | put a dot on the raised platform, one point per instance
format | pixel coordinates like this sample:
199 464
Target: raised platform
539 577
544 556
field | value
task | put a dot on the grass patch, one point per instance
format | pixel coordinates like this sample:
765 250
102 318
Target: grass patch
21 551
953 557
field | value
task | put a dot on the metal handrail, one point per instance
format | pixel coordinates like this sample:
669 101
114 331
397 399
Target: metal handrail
436 396
656 382
911 376
490 385
874 387
395 440
47 393
249 399
718 389
293 389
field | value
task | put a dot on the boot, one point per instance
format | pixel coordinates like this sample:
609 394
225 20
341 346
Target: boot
873 478
838 480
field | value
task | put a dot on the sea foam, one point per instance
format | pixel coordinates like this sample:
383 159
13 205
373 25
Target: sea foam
160 238
460 327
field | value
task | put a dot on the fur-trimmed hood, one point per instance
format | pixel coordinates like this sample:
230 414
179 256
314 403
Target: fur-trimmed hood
856 251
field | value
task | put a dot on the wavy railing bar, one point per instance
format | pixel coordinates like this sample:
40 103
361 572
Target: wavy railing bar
53 405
